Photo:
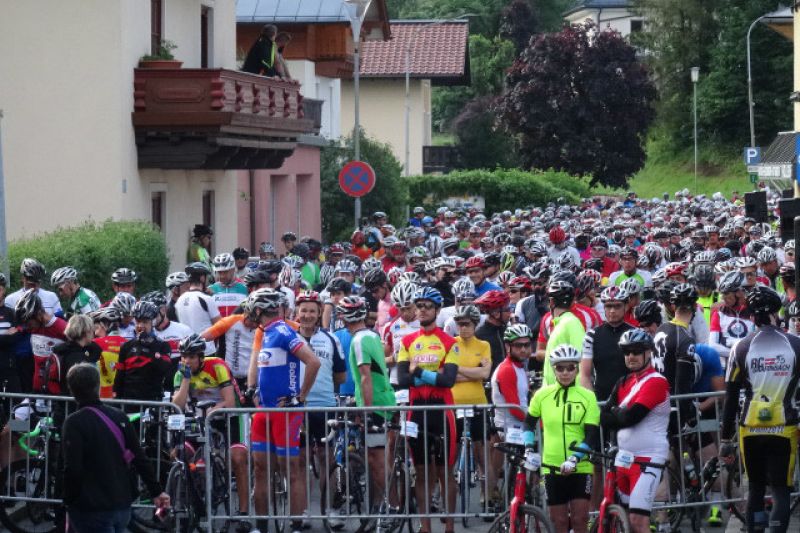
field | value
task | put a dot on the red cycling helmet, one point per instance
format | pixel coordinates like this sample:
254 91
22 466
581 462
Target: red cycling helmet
474 262
308 296
493 300
557 235
358 238
520 282
675 269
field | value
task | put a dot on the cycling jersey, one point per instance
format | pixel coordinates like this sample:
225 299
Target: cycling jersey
698 327
586 318
601 346
46 365
348 388
430 351
564 413
451 326
109 355
50 301
592 317
675 352
172 334
144 370
765 365
84 301
197 310
529 311
648 438
707 304
485 287
567 329
728 325
711 367
329 352
366 349
510 386
470 353
642 276
127 331
278 367
207 384
238 343
393 336
493 334
228 297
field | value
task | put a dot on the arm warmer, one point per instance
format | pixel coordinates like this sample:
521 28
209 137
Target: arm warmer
623 417
729 410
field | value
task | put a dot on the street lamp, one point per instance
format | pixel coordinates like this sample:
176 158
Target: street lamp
695 73
409 42
750 84
356 11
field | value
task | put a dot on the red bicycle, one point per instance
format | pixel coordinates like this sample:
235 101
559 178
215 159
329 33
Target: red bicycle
525 513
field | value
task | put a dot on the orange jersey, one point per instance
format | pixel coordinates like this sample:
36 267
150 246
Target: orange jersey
107 364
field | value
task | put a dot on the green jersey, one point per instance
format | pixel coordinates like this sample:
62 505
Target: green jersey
310 273
567 329
564 412
366 349
84 301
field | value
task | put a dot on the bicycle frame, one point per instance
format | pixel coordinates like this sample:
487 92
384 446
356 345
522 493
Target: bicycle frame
520 490
609 496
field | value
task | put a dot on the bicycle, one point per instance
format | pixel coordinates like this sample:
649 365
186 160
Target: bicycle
465 473
523 515
400 485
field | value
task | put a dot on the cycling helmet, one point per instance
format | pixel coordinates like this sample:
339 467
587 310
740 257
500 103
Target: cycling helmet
106 315
517 331
564 275
789 245
731 281
339 285
643 262
767 255
308 296
411 277
468 312
636 339
352 309
428 293
614 294
266 248
270 266
664 291
403 294
564 353
520 282
176 279
746 262
763 300
289 277
507 261
787 271
561 292
593 264
240 253
394 275
706 256
144 310
28 306
474 262
793 310
683 295
537 248
675 269
598 241
293 261
648 311
301 250
32 269
449 244
374 278
197 268
557 235
124 303
504 277
628 251
493 299
491 259
123 276
256 277
418 252
703 276
62 275
594 275
289 236
463 288
631 286
157 298
346 265
371 263
193 344
566 262
264 300
223 262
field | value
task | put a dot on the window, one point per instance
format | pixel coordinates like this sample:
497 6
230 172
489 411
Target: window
208 211
204 35
156 25
637 26
157 204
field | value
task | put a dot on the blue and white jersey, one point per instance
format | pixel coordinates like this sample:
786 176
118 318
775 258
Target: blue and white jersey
278 366
329 352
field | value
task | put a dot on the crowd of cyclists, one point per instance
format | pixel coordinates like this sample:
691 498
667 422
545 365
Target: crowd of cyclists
622 304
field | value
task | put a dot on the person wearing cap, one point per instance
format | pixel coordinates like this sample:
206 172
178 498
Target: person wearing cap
200 246
416 220
241 256
289 239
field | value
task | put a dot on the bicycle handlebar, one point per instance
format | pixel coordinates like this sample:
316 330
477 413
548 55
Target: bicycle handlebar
611 455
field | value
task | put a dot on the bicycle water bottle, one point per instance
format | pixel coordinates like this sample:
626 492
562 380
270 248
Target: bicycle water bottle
688 469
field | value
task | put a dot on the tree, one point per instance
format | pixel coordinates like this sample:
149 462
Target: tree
581 102
390 193
518 23
480 145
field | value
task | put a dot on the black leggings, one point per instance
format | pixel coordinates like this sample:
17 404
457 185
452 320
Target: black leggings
767 468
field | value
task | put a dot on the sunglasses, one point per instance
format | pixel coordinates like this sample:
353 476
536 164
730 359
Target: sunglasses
565 368
645 324
425 305
463 324
514 291
520 344
629 353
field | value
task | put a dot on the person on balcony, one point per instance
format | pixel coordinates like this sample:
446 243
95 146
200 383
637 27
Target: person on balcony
261 58
281 67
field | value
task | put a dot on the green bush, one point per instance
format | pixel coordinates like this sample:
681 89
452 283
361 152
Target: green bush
501 189
96 250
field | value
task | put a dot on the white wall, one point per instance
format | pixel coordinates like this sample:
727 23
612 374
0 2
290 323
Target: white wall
618 19
320 88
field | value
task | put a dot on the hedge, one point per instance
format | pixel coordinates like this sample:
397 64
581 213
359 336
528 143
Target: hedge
96 250
501 189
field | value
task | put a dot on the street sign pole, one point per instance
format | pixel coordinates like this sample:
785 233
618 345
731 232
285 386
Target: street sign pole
3 240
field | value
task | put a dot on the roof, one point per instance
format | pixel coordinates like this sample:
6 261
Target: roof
781 150
304 12
598 4
439 52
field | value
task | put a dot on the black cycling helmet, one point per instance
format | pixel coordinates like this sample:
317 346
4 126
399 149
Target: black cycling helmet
491 259
193 344
256 277
241 253
763 300
561 292
123 276
339 284
664 291
270 266
683 295
197 268
144 310
564 275
301 250
32 269
703 276
374 279
157 298
289 236
28 306
635 339
648 311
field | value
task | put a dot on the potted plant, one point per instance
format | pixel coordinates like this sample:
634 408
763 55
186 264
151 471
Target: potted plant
163 58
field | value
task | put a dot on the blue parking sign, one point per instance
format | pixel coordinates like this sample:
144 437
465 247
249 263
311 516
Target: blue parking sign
752 155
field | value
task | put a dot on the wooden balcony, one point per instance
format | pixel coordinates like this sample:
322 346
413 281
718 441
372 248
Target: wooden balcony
216 119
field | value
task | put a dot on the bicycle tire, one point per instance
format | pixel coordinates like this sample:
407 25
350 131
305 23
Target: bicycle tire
535 519
675 513
464 481
732 490
183 518
396 524
279 500
617 519
17 479
346 480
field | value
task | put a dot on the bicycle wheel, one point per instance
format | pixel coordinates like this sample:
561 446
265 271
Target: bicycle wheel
347 490
464 480
733 491
393 520
530 517
29 478
616 521
279 500
183 517
676 511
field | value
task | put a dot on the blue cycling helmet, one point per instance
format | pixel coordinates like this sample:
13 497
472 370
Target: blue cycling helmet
429 293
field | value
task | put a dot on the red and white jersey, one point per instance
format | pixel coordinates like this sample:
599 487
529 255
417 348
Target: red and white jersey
589 318
728 326
648 438
593 318
510 386
393 334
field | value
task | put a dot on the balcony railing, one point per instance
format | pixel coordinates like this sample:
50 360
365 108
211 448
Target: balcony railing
216 118
312 110
439 159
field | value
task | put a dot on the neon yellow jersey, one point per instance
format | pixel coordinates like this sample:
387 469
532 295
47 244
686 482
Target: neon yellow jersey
209 382
567 329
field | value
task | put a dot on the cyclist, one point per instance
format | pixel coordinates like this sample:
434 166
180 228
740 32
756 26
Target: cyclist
144 370
32 272
731 320
195 307
239 332
463 293
764 368
177 283
428 366
241 256
124 302
495 305
200 245
639 411
200 378
273 269
123 280
476 271
674 345
703 278
371 378
228 292
569 414
561 246
376 288
274 374
337 289
9 335
628 257
167 330
266 251
403 324
567 328
81 299
106 335
47 332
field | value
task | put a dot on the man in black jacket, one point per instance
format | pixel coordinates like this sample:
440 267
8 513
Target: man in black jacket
98 484
9 336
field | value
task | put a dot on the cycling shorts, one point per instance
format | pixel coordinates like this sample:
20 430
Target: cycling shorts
563 489
775 468
477 425
433 424
277 433
637 486
317 427
235 438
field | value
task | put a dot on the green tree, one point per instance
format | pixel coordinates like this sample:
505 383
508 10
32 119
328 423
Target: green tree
390 193
480 143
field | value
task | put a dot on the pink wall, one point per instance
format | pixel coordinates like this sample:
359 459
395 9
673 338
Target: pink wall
296 187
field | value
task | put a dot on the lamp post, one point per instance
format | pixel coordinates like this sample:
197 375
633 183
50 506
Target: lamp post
409 42
4 267
356 11
695 73
750 84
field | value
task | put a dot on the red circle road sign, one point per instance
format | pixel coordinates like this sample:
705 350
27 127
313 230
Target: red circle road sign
356 178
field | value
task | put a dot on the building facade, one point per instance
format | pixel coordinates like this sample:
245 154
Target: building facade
616 15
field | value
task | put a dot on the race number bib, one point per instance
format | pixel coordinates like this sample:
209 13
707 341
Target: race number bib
514 436
409 429
624 459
